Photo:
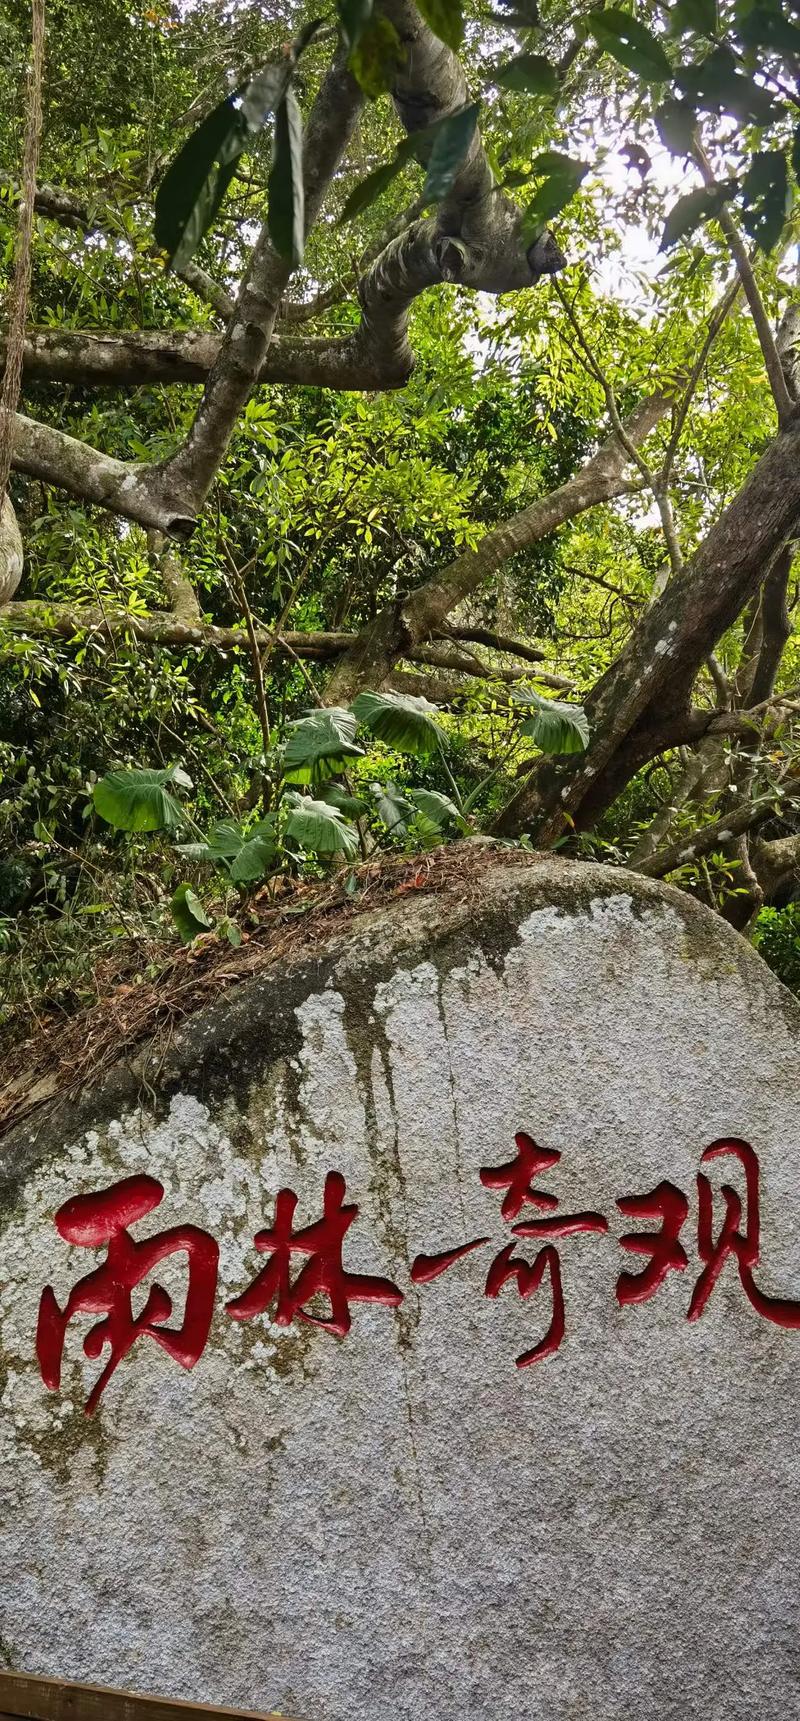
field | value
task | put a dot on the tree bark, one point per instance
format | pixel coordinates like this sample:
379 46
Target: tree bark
650 682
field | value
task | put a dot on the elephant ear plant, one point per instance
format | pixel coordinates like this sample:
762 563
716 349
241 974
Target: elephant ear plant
314 814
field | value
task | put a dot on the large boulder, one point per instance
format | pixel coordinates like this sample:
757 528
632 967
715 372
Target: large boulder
453 1509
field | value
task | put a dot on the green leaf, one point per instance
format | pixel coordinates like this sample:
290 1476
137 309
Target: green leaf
699 16
697 206
796 153
350 805
676 122
377 57
766 27
354 16
255 859
393 809
451 144
716 85
134 800
400 720
370 188
561 179
533 73
319 745
265 92
630 42
188 913
446 20
320 829
555 726
438 808
195 183
765 198
285 208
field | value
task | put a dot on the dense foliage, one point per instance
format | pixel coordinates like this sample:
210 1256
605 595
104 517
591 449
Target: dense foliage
634 131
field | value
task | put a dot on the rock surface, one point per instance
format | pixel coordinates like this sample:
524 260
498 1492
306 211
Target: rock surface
401 1525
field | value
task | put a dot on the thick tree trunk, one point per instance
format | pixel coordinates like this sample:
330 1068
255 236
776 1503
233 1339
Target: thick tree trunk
11 554
636 704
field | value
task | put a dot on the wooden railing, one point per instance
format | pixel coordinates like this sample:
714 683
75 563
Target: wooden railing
23 1698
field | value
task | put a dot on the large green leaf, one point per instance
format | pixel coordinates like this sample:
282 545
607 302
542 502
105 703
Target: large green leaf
195 183
354 16
764 26
401 720
697 206
533 73
555 726
630 42
320 829
446 20
255 860
377 57
561 177
133 800
393 809
698 16
437 808
320 744
286 206
188 913
676 123
717 85
451 144
351 805
765 198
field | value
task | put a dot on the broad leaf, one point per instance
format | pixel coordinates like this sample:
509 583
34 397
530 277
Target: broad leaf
370 188
676 123
264 93
765 198
377 57
561 177
188 913
319 745
697 206
244 855
630 42
530 72
350 805
764 26
452 142
255 859
796 153
354 16
700 16
555 726
134 800
400 720
195 183
285 209
393 809
446 20
716 85
321 830
438 808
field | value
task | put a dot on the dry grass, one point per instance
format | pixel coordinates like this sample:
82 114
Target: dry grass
138 1000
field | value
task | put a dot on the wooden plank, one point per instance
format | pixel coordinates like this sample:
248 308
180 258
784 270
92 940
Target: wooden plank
25 1698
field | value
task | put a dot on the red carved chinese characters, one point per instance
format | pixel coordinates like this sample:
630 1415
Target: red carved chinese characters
517 1178
742 1246
323 1271
103 1218
667 1203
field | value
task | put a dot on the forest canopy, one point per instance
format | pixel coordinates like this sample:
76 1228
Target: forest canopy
399 444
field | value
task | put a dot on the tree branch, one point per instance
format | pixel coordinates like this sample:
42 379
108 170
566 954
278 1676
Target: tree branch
403 626
785 406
